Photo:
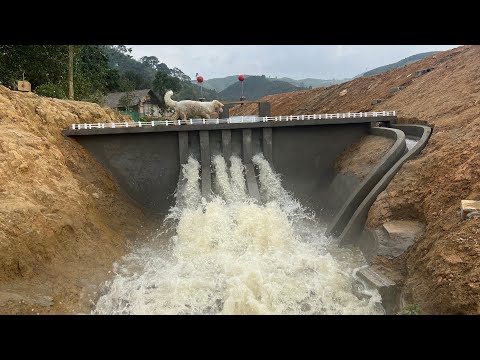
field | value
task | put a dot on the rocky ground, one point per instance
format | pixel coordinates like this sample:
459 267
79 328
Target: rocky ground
63 220
440 272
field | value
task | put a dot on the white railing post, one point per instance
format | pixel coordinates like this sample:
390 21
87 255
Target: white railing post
153 123
203 121
139 124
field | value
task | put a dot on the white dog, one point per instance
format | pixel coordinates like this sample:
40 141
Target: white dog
188 109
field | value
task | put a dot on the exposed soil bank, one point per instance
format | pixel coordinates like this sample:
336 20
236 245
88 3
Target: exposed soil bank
440 273
63 219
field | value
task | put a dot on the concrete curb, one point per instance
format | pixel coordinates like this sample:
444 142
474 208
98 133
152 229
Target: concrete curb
357 221
341 219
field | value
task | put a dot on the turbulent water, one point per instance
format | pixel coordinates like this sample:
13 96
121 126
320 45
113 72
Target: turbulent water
410 143
235 255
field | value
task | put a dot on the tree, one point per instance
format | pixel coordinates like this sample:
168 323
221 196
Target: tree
163 68
127 100
48 65
139 82
151 61
92 72
179 74
70 72
164 82
121 48
41 64
119 60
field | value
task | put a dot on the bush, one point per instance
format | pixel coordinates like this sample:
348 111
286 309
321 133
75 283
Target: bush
410 309
96 97
51 90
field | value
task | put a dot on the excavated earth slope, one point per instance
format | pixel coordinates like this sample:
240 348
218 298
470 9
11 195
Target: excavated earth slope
440 273
63 220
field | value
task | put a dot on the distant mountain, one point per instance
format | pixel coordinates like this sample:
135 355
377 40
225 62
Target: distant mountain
256 87
406 61
314 83
220 84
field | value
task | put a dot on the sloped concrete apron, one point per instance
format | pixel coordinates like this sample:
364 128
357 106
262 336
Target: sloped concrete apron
353 230
341 219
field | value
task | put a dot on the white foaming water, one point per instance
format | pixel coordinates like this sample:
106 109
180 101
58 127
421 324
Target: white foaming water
410 143
234 256
239 187
221 177
271 189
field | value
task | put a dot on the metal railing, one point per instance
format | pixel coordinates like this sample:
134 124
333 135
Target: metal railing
232 120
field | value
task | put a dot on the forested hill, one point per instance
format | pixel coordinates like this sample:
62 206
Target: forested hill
220 84
98 70
256 87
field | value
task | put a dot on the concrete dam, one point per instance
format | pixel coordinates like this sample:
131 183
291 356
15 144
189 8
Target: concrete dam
294 155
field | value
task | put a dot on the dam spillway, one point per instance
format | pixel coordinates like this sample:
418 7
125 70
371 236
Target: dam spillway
149 164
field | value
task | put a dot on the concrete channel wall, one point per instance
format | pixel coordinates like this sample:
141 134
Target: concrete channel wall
352 233
344 214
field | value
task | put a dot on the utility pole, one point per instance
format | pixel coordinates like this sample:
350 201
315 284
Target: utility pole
70 72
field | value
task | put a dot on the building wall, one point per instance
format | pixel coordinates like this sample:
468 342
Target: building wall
151 109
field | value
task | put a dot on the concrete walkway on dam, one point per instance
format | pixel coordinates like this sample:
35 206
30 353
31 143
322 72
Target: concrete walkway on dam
146 160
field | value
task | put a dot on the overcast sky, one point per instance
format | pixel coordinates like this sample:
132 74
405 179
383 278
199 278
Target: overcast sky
294 61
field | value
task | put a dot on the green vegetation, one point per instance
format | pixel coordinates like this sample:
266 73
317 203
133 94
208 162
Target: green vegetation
46 68
220 84
98 70
410 309
101 69
256 87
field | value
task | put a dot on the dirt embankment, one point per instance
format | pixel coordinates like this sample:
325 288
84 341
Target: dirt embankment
441 272
361 157
63 220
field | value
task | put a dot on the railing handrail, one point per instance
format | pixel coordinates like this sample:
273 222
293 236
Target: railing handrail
237 119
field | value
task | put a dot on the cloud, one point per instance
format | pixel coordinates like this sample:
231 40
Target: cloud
294 61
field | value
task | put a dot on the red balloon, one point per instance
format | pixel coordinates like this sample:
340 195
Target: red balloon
200 79
241 77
